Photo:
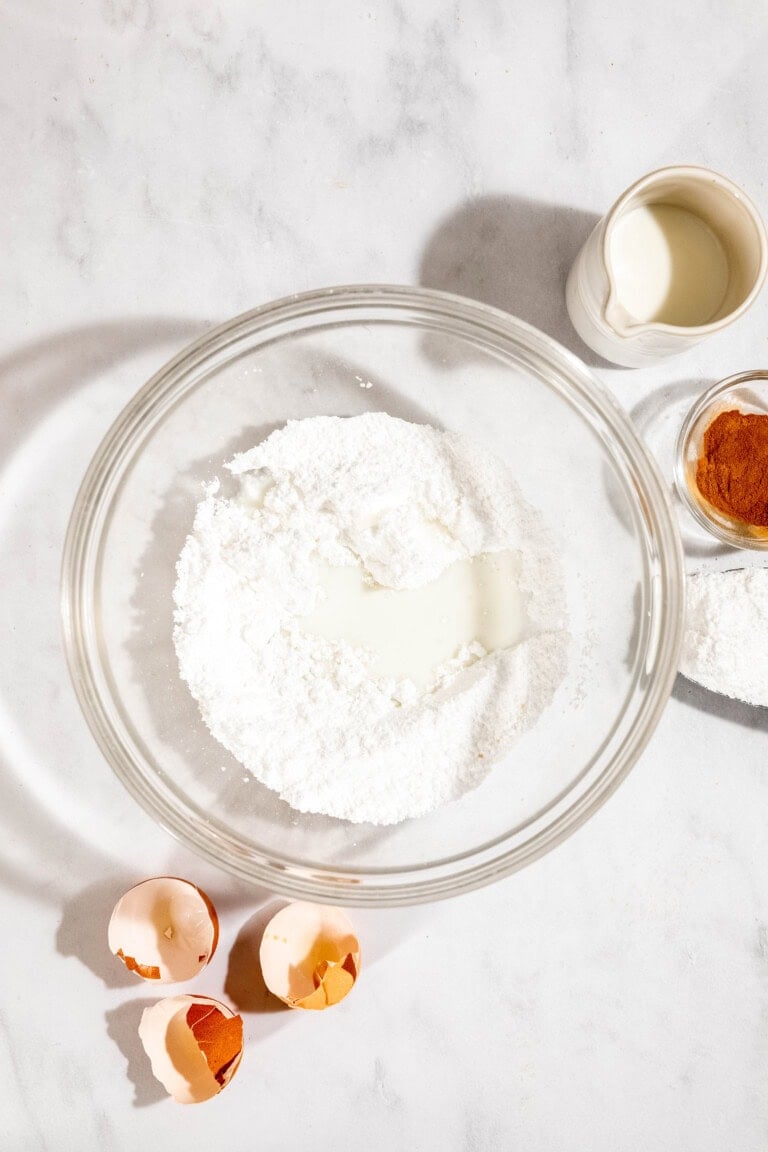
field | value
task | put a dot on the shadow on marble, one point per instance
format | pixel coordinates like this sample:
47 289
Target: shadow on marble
34 380
24 827
649 414
123 1029
723 707
512 253
244 985
35 377
83 930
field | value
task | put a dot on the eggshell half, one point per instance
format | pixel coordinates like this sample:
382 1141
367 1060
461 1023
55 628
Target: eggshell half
164 929
310 956
194 1044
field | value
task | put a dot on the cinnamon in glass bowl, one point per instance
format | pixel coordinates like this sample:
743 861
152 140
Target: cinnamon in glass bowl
722 460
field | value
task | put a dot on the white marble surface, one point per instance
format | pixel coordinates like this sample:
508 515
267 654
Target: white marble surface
167 164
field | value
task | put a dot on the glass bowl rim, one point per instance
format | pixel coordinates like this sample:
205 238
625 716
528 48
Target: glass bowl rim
707 399
372 887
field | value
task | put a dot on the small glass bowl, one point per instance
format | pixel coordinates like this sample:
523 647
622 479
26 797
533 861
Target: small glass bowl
747 392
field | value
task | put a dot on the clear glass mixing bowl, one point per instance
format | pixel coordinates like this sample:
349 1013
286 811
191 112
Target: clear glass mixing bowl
429 357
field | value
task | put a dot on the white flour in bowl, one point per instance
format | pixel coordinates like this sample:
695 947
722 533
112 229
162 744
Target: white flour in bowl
310 715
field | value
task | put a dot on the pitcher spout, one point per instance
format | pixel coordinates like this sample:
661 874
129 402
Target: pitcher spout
618 319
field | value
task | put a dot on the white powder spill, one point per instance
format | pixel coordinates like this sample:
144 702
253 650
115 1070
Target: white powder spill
311 716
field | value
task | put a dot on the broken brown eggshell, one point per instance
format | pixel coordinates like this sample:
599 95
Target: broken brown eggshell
310 956
164 929
194 1044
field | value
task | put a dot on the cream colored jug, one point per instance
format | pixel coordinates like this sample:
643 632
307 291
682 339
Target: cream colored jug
681 254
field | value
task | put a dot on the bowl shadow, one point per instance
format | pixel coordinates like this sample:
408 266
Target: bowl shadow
35 380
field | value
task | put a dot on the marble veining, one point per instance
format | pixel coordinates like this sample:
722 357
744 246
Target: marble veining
168 164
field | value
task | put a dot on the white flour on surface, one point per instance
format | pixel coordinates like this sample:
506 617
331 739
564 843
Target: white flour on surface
308 716
725 646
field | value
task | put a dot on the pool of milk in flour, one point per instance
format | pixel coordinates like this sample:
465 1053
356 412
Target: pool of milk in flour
413 631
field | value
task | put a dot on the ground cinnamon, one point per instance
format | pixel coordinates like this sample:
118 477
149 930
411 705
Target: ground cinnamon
732 470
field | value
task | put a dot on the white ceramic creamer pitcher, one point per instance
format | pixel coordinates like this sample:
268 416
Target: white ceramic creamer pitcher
681 254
